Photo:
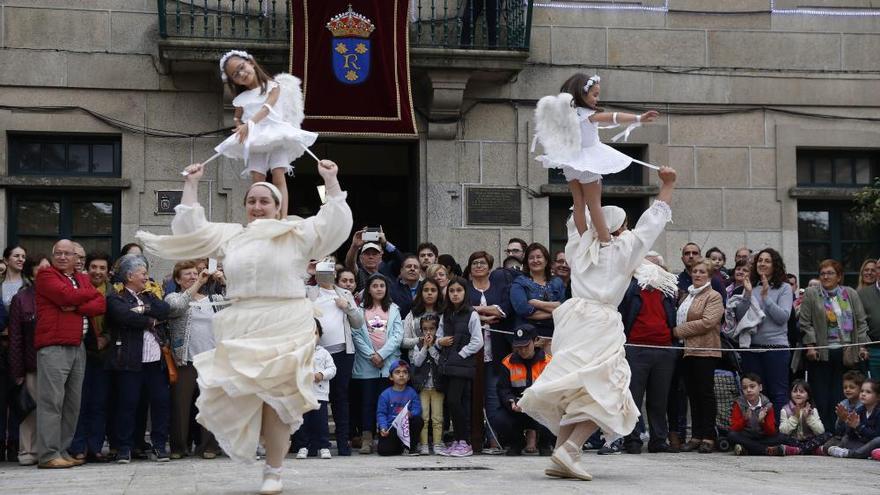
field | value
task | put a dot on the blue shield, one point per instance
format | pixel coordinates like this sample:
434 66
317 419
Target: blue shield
351 59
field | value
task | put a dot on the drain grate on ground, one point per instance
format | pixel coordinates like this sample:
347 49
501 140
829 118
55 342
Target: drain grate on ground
446 468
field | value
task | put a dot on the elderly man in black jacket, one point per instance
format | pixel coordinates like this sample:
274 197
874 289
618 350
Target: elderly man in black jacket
648 319
135 319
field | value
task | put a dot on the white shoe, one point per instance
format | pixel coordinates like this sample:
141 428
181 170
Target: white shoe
568 457
424 449
271 481
302 453
325 454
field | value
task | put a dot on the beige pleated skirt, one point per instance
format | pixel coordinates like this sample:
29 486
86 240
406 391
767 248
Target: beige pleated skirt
588 376
263 354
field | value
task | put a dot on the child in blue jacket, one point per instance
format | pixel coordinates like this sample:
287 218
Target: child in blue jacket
391 402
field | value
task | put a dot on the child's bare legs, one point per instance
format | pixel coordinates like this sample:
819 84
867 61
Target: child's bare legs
280 182
564 433
276 437
592 193
579 206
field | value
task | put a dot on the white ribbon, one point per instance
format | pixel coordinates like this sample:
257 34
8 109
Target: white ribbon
625 133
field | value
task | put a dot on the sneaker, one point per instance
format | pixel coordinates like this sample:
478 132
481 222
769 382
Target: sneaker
424 449
790 450
176 455
838 451
634 448
302 453
159 455
775 451
27 459
612 448
493 451
818 451
323 453
411 453
446 451
662 448
739 450
123 457
875 454
439 447
463 450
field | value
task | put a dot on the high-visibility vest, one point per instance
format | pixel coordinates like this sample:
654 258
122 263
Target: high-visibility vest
519 374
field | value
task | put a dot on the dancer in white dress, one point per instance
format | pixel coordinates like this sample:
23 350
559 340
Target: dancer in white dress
567 125
268 120
257 382
586 384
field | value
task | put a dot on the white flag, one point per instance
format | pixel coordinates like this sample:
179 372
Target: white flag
401 424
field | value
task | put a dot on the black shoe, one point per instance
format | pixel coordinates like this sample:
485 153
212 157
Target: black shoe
514 452
633 448
661 449
159 455
123 457
610 449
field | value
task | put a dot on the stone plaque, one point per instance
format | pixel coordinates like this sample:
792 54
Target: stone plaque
493 206
166 201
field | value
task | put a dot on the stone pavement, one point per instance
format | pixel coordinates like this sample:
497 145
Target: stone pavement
622 474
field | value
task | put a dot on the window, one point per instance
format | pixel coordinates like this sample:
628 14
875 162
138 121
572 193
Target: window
630 176
37 219
826 229
65 154
837 168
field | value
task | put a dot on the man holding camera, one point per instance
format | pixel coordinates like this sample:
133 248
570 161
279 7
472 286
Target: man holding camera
370 253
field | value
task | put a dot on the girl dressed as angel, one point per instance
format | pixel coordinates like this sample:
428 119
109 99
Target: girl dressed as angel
567 126
268 116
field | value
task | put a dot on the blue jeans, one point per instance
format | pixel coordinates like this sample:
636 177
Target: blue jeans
491 402
154 379
772 367
368 391
826 381
89 436
339 398
314 434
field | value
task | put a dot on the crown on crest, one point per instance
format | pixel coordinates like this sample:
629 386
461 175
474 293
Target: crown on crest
350 24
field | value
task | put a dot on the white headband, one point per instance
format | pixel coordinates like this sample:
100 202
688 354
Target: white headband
271 187
226 56
590 82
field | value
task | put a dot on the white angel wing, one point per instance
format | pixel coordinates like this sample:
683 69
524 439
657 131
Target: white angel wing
557 126
290 102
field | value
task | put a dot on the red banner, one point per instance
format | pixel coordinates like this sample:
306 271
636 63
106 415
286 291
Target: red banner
353 59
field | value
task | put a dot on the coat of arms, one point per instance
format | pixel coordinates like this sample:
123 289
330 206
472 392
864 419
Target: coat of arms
350 46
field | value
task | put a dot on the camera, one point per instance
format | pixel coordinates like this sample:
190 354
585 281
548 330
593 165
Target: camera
371 234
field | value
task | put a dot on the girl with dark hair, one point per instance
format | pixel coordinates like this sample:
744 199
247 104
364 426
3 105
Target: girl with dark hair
769 291
377 345
537 294
428 300
568 127
460 338
800 425
268 117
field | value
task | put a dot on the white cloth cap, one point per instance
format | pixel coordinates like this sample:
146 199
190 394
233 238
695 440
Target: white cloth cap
614 217
272 189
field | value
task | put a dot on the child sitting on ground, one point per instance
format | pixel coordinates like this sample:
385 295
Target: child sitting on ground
800 425
852 386
391 402
752 420
313 438
862 425
424 357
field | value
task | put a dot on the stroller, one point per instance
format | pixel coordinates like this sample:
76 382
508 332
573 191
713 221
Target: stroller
727 390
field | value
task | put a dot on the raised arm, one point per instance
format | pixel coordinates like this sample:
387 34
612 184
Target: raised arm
623 117
190 194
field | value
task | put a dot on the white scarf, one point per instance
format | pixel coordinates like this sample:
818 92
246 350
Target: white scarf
682 315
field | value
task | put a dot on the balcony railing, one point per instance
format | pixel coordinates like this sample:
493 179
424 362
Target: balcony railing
466 24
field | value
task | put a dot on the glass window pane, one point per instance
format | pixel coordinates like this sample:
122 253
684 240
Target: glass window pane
38 217
803 171
854 255
92 218
78 159
814 225
822 169
863 171
54 159
37 246
29 158
92 244
102 158
843 168
810 255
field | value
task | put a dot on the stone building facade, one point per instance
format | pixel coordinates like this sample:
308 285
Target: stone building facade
769 116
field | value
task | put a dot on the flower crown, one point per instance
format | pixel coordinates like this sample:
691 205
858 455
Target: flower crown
590 82
225 58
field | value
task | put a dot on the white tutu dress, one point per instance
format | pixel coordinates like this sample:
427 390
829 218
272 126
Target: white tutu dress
277 140
266 338
571 142
588 377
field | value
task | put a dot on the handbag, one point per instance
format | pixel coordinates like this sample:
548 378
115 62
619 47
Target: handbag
170 365
23 404
851 358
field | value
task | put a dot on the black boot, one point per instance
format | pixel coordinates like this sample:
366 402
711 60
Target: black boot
12 452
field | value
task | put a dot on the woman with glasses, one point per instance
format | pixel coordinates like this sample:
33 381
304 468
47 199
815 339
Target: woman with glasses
831 314
535 295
